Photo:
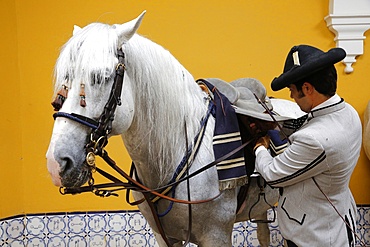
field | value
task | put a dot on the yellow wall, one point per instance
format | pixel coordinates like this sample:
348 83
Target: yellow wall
226 39
11 164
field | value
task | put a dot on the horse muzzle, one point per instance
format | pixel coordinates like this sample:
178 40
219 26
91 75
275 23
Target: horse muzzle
65 172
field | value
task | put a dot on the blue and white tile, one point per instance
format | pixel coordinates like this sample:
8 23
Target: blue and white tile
151 240
36 241
3 234
15 228
137 239
276 239
77 241
97 240
136 222
117 222
56 241
16 243
56 224
238 238
116 240
97 223
76 223
35 226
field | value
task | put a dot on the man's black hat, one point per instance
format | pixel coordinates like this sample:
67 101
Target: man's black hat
304 60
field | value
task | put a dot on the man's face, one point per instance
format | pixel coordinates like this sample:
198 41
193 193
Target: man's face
300 98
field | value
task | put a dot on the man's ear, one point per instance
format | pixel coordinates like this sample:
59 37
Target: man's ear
307 88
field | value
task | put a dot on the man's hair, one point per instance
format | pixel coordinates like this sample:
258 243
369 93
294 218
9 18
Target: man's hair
324 81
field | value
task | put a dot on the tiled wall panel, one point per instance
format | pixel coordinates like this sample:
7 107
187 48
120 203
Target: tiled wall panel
121 228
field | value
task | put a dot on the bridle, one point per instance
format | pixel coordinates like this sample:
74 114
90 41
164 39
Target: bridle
99 139
103 127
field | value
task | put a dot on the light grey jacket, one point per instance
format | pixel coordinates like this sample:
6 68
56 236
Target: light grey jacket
325 149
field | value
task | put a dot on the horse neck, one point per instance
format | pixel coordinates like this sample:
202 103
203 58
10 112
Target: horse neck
165 96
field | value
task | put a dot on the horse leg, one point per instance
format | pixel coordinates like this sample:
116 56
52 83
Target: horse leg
159 239
162 243
217 238
212 238
263 232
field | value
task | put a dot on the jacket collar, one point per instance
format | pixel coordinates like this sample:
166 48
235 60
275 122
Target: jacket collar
333 104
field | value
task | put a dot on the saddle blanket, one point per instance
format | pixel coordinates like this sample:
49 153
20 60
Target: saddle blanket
231 171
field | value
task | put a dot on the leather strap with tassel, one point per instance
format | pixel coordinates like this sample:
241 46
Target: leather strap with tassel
60 98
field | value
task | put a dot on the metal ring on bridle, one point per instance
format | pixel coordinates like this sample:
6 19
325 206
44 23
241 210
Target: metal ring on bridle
90 159
120 64
96 142
62 190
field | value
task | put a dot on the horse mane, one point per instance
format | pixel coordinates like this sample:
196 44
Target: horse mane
165 93
166 96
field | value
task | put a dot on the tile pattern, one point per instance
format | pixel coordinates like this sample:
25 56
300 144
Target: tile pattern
363 224
121 228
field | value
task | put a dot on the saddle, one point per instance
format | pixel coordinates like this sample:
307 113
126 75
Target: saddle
277 144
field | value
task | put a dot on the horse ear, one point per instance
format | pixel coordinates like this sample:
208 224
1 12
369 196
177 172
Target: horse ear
126 30
76 29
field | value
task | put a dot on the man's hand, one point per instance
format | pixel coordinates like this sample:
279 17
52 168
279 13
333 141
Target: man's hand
262 141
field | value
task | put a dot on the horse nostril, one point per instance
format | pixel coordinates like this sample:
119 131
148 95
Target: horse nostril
66 164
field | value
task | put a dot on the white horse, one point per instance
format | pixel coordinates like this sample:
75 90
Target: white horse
159 95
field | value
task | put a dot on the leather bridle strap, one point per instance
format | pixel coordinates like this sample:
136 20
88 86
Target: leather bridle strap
78 118
263 104
107 117
142 188
137 186
156 218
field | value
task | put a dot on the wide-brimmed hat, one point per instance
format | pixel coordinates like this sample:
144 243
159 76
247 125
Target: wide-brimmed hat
304 60
241 93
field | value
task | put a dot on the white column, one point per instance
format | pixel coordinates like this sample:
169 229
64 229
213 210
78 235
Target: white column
349 20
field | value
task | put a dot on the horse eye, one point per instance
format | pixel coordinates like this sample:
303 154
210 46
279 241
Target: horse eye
98 79
95 79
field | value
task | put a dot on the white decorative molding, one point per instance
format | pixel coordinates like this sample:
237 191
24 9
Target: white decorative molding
349 20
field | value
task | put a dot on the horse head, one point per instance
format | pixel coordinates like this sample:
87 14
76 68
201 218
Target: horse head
84 75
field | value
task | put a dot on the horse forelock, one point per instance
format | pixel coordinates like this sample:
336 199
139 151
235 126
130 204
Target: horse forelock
166 96
88 56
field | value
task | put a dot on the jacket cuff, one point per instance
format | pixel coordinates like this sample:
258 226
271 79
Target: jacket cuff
259 149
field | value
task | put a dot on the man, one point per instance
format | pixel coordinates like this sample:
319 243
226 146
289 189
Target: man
315 169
